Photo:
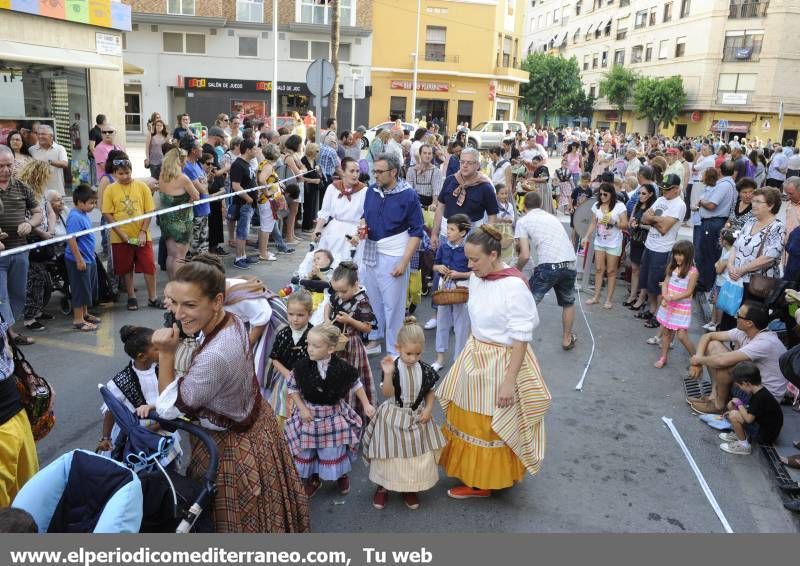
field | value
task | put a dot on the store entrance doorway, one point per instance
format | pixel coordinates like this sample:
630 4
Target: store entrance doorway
433 109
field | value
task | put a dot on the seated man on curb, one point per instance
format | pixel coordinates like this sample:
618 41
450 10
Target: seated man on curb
754 344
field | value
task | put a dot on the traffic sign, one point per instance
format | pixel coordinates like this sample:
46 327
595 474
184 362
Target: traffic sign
354 87
320 77
722 125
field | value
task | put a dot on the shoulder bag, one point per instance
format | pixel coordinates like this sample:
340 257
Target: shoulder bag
36 395
760 285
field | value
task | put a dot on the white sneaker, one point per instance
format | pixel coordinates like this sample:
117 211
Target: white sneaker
728 436
373 350
437 367
656 341
431 324
735 448
271 257
710 326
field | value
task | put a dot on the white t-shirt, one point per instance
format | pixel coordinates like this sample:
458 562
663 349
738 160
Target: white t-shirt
55 152
675 208
608 236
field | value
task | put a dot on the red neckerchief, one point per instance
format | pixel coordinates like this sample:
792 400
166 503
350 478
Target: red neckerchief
506 272
344 191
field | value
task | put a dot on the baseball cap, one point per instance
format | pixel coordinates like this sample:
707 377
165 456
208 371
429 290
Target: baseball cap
216 131
361 129
671 180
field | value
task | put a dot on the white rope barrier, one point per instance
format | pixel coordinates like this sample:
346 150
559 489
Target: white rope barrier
154 214
579 386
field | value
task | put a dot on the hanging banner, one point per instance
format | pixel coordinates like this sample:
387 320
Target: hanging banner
102 13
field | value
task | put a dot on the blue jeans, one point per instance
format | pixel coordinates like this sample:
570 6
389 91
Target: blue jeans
548 276
278 237
708 251
243 222
13 286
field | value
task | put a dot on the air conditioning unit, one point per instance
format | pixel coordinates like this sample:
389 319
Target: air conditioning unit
231 33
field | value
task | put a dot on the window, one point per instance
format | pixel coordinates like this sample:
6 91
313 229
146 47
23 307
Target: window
298 49
248 46
133 112
397 108
680 47
576 35
667 11
663 47
591 91
344 52
585 62
250 11
636 53
539 22
619 57
742 45
556 15
464 111
737 82
648 52
604 60
192 43
622 32
594 61
641 19
320 50
435 43
748 9
685 7
319 12
506 51
180 7
652 17
607 31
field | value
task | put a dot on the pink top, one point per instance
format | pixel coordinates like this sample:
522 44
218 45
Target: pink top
573 162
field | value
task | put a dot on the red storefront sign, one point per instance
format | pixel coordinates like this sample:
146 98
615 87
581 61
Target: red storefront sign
421 85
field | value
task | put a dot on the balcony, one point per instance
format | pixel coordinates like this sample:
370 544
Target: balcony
741 54
740 9
440 58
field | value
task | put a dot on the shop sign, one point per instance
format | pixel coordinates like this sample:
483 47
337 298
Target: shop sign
734 98
101 13
507 89
612 116
207 83
421 85
108 44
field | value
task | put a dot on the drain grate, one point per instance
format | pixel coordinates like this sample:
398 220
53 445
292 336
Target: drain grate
790 489
696 388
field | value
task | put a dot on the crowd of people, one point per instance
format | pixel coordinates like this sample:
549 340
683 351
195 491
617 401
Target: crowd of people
284 383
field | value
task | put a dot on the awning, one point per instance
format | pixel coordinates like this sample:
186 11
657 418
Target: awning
589 29
602 25
12 51
733 127
562 38
576 33
130 69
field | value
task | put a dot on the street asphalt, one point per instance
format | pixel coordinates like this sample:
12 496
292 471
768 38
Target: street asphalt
611 463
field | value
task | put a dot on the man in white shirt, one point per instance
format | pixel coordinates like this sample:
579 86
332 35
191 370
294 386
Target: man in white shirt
633 163
664 221
48 150
394 144
778 165
556 268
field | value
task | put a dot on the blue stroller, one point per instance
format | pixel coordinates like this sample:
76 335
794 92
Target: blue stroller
83 492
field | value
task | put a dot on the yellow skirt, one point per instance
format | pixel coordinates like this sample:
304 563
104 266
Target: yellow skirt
18 460
475 454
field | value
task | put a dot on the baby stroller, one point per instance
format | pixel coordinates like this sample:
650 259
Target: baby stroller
83 492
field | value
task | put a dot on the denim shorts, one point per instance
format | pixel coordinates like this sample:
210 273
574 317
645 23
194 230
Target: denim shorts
652 271
562 279
615 251
243 222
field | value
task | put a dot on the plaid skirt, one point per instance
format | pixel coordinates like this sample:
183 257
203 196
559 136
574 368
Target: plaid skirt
356 355
332 425
258 488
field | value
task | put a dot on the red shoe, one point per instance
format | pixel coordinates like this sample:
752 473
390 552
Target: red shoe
411 500
380 497
464 492
344 484
312 486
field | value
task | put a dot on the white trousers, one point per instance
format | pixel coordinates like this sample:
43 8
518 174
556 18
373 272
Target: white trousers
387 295
452 317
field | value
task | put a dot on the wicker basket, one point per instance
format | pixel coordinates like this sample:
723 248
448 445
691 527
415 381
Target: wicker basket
449 294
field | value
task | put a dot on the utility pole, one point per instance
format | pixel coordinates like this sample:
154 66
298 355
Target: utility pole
335 32
416 69
273 99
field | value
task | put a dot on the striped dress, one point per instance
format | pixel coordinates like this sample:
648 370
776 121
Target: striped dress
401 452
677 315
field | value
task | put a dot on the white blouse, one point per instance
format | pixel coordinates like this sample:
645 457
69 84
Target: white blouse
501 311
255 312
342 209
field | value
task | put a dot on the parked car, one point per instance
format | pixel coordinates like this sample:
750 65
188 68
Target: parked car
373 131
492 133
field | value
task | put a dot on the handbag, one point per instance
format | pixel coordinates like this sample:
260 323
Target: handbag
36 395
760 285
730 297
449 294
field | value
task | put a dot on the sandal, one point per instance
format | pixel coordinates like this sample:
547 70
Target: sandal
651 323
644 315
628 303
572 339
792 461
84 326
22 340
90 318
592 301
608 306
660 362
133 304
156 304
635 307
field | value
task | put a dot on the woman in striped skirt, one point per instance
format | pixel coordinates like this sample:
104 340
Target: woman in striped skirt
494 398
402 443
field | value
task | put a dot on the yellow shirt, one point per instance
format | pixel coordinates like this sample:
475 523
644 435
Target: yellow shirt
127 201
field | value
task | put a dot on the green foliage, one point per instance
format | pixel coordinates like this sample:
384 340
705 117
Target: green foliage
618 86
580 104
661 100
553 84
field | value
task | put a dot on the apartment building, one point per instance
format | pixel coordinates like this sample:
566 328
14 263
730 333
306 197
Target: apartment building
210 56
468 66
735 57
60 67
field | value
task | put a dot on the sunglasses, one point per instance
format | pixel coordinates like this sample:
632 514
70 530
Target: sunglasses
108 131
118 162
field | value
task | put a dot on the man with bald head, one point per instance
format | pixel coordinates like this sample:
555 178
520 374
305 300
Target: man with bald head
48 150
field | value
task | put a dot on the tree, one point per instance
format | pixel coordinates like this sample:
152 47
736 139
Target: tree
553 83
618 86
335 32
581 104
659 99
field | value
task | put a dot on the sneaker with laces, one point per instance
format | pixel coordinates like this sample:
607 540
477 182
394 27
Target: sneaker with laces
251 259
344 484
656 341
710 326
431 324
220 251
380 497
286 251
241 264
728 436
737 447
411 500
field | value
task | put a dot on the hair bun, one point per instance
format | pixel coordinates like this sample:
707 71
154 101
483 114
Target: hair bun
492 231
127 331
351 265
409 320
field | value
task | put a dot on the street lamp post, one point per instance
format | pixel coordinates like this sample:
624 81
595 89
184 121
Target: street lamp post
416 67
354 75
273 100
